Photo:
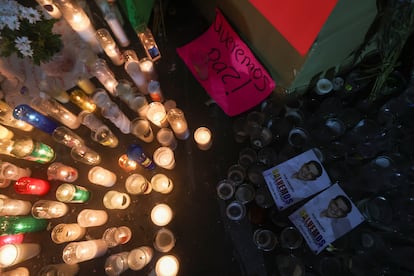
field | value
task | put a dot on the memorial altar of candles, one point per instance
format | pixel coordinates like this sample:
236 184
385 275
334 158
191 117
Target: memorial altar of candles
171 120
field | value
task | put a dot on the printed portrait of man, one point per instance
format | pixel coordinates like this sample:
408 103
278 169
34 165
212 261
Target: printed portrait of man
338 207
309 171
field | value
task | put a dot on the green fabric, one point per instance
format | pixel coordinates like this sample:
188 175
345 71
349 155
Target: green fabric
137 11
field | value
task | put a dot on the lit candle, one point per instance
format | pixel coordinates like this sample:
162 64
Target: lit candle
82 100
5 133
13 172
76 252
147 67
161 183
72 193
127 164
157 115
117 29
91 218
109 46
66 232
178 123
148 41
48 209
114 236
62 172
31 186
167 265
86 85
161 214
105 75
101 176
11 254
131 66
79 22
136 184
202 136
116 200
140 257
164 157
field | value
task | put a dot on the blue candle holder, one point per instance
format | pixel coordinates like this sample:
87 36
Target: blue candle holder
25 113
136 153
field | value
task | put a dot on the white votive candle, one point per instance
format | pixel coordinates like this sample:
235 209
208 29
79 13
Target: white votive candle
161 214
202 136
167 265
164 157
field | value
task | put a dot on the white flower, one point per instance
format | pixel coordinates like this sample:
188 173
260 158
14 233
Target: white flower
23 45
11 21
30 14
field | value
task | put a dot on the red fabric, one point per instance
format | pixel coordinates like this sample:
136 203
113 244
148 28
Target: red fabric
299 21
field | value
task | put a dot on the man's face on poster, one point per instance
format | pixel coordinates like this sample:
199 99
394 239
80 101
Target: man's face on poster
308 171
337 208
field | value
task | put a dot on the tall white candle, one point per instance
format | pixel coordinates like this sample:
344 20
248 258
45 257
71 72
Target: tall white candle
117 29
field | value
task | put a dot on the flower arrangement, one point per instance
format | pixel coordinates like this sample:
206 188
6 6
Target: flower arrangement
27 32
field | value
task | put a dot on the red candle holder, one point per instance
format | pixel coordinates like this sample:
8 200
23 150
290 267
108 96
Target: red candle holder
31 186
11 239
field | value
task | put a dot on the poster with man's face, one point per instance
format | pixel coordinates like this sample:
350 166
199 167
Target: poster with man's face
296 179
326 217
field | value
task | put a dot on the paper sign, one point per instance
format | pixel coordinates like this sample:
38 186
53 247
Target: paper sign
326 217
226 68
299 21
296 179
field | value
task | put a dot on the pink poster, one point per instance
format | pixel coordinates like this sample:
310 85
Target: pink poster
226 68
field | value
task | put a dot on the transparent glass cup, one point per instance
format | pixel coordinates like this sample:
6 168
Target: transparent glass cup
136 184
67 232
164 240
140 257
161 183
91 217
116 264
114 236
141 128
116 200
76 252
265 239
166 138
225 189
49 209
164 158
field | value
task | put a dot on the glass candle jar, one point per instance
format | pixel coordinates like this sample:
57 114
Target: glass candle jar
147 67
141 128
114 236
31 186
26 113
116 200
67 232
117 263
164 158
132 68
13 172
72 193
67 137
167 265
49 209
91 218
161 183
157 114
14 207
109 46
127 164
136 184
62 172
161 214
101 176
202 136
178 123
105 75
105 137
79 22
57 111
148 41
154 91
7 118
76 252
140 257
85 155
79 98
166 138
12 254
